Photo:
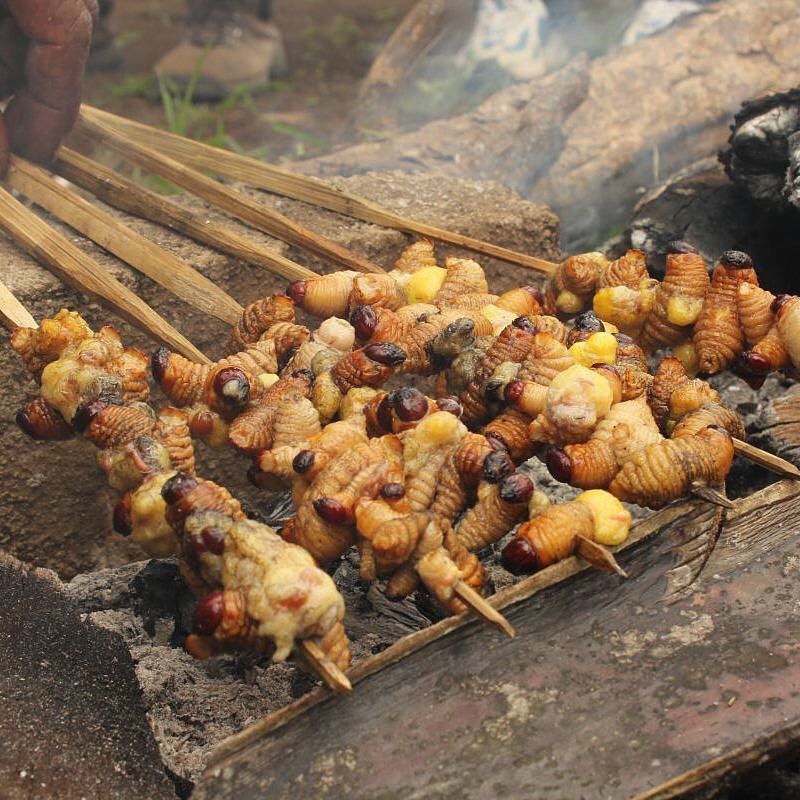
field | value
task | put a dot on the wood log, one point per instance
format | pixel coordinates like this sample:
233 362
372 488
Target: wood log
607 691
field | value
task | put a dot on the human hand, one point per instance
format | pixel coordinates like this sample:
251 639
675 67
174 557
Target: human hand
44 45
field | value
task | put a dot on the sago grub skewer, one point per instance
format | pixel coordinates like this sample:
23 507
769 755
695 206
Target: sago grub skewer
224 197
14 314
112 235
125 195
300 187
51 248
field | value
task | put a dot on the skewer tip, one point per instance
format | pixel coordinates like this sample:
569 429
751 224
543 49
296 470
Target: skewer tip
324 668
482 608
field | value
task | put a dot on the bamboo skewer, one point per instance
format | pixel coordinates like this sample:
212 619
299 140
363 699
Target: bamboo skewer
224 197
12 313
112 235
711 495
767 460
327 671
59 254
300 187
119 192
482 608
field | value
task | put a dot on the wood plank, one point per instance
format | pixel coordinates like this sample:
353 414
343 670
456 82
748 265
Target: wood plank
126 244
227 199
606 692
273 179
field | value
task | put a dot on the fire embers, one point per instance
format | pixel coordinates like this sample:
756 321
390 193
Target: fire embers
273 590
718 335
594 519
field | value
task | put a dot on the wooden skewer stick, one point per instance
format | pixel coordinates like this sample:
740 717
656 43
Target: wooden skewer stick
112 235
599 556
711 495
223 197
301 187
482 608
119 192
12 313
59 254
771 462
327 671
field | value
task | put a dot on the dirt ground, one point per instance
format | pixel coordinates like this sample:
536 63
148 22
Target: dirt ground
330 45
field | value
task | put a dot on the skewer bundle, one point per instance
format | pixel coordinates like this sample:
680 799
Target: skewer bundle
418 482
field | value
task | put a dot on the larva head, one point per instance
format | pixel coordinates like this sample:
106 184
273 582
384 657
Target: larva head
524 324
231 387
519 556
451 405
409 404
559 465
364 320
781 304
303 461
178 487
208 613
516 489
498 466
210 539
386 353
680 248
392 491
331 510
159 361
296 291
86 412
736 259
122 521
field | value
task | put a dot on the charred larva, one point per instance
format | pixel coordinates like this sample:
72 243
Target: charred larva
39 420
718 335
678 300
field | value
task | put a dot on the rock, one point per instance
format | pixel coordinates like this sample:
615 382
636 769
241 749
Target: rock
72 720
656 15
702 206
55 506
777 427
576 140
763 145
514 136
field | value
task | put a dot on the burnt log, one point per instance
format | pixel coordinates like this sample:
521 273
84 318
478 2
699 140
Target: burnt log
607 690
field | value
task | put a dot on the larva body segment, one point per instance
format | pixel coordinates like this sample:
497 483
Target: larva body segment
172 430
374 289
489 519
464 277
147 512
181 380
258 317
678 301
471 301
628 270
769 353
707 415
718 335
39 420
393 532
575 280
285 336
788 323
511 426
325 296
111 426
666 470
132 368
754 307
39 346
628 428
669 374
451 496
546 358
186 494
368 366
416 256
522 301
549 537
690 396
